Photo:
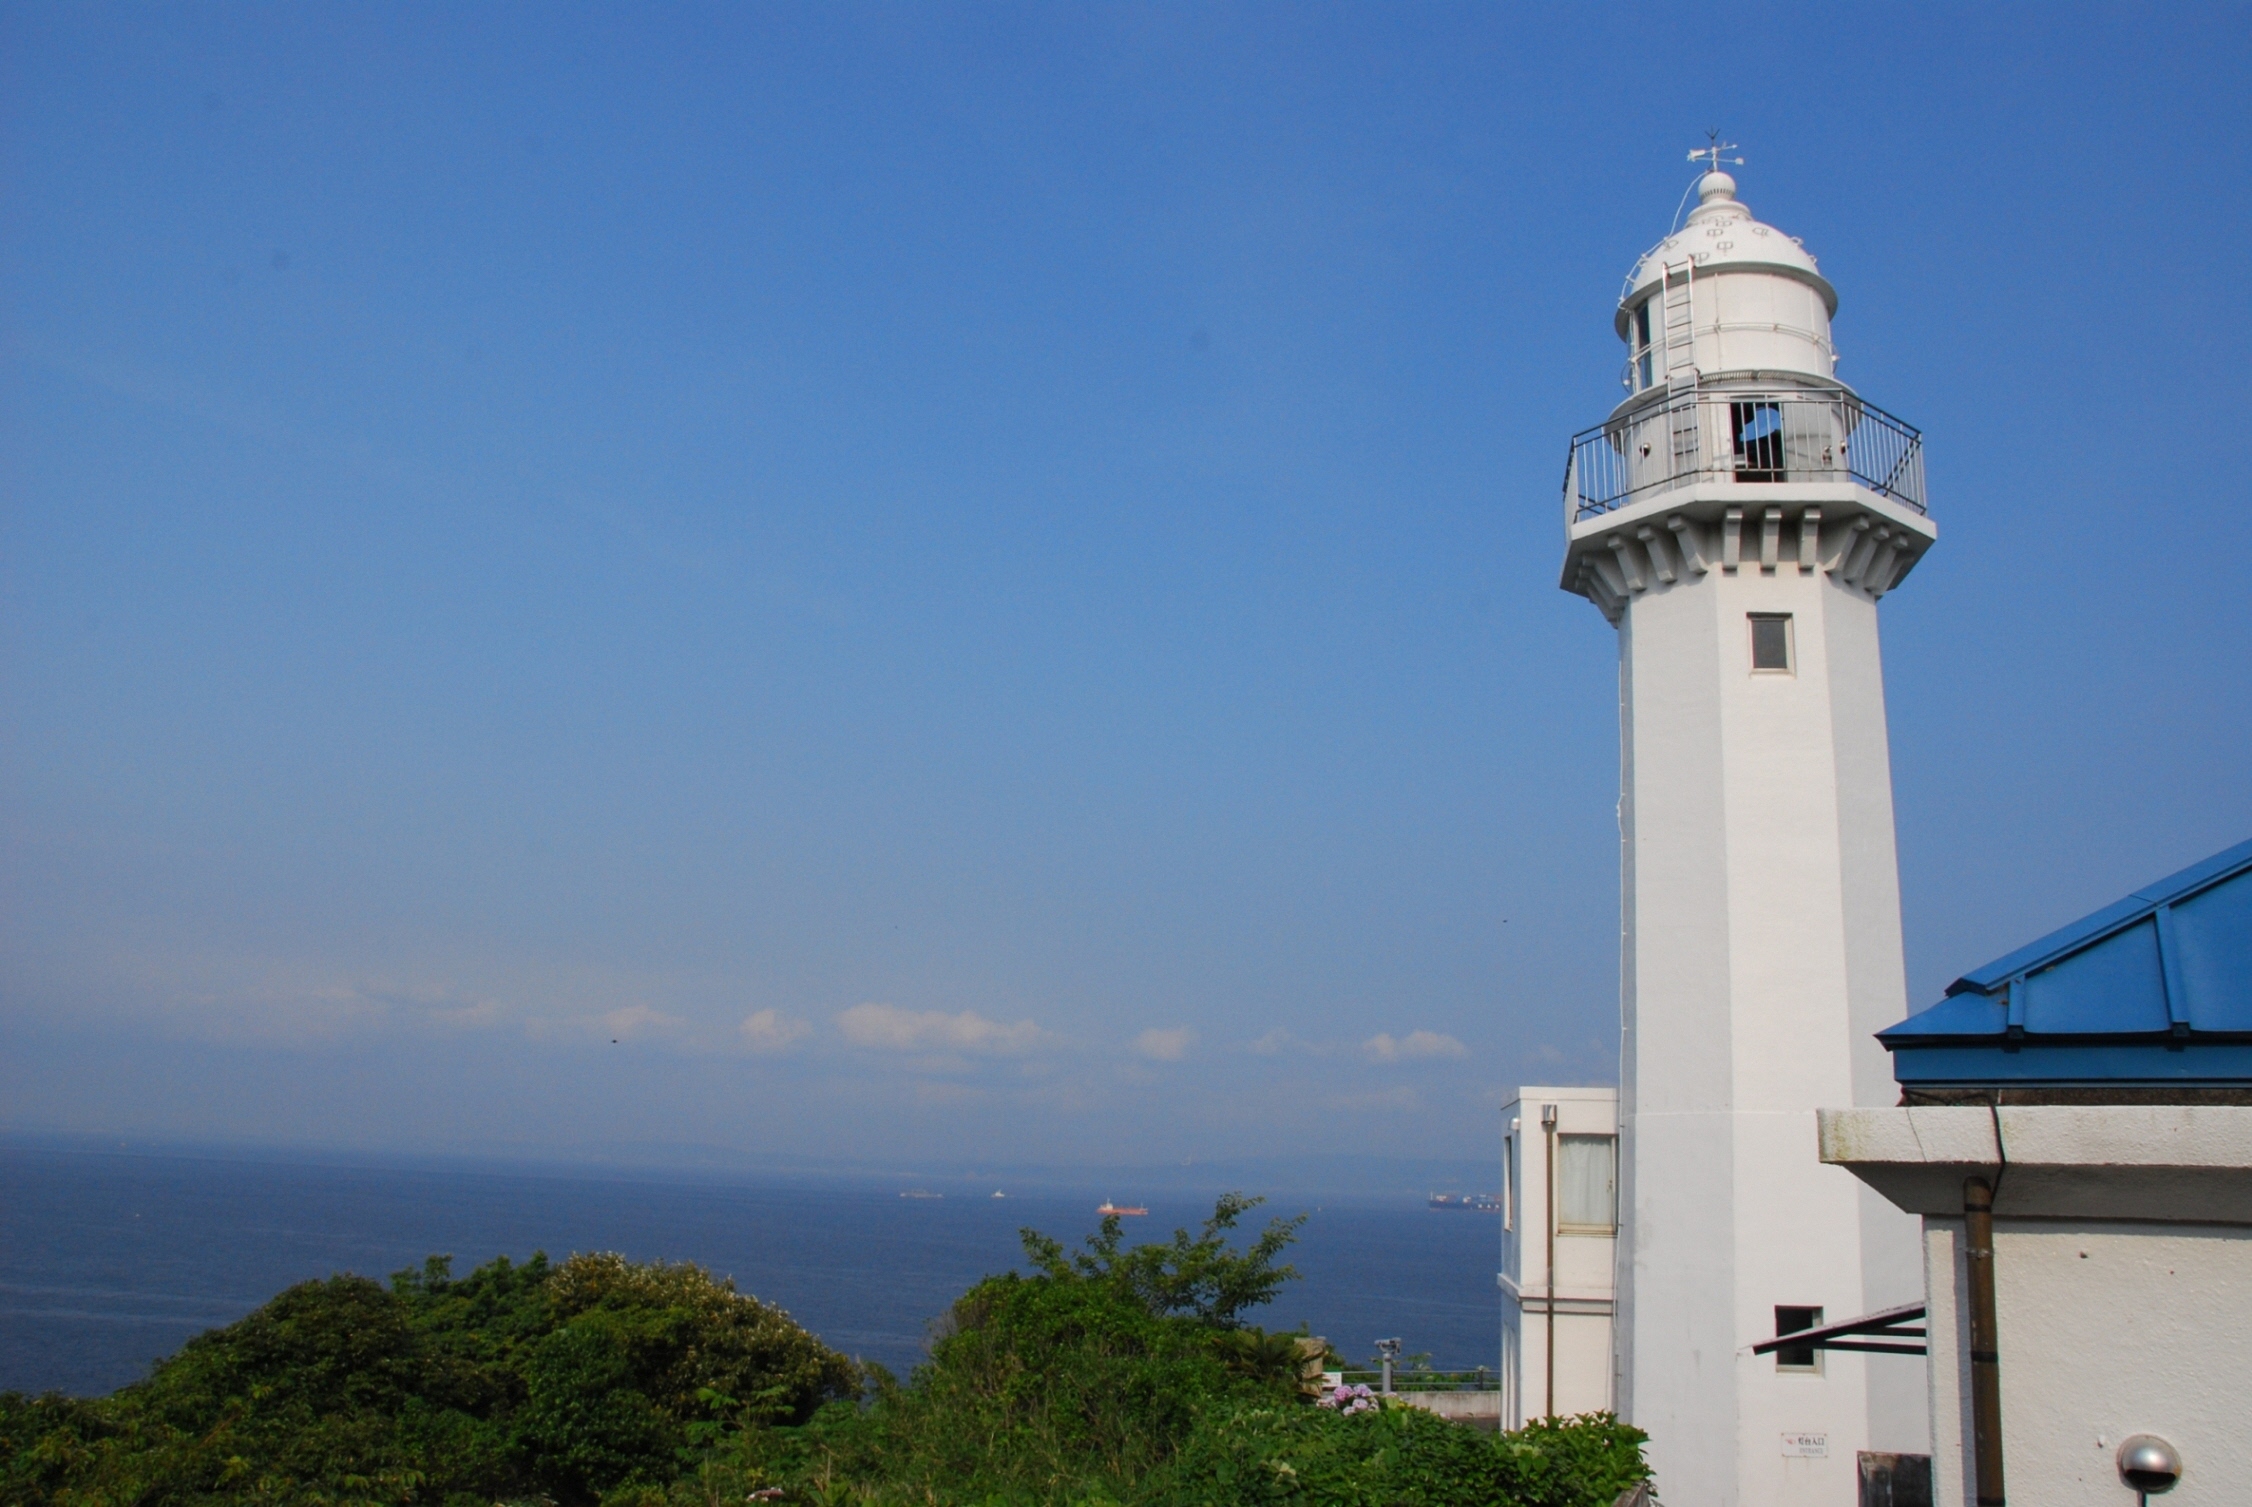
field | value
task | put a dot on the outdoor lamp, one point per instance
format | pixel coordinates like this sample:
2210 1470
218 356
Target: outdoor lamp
2149 1464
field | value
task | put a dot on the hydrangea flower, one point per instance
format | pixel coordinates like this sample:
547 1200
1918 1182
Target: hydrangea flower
1349 1400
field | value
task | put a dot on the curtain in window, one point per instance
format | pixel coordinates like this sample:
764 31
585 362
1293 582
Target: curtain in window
1586 1182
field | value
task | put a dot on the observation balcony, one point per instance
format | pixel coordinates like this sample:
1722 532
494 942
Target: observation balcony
1739 435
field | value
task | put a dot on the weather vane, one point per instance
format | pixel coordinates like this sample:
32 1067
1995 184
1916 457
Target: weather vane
1711 152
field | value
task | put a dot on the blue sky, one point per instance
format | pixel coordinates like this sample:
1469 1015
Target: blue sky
979 583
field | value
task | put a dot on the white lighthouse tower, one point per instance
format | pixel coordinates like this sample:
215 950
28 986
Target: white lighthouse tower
1737 518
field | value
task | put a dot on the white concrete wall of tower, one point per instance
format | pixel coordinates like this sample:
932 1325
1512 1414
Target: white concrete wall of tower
2123 1285
1761 951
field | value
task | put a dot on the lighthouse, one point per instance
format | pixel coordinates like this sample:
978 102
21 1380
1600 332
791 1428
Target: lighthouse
1738 518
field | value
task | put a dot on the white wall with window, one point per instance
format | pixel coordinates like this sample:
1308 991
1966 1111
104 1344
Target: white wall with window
1560 1200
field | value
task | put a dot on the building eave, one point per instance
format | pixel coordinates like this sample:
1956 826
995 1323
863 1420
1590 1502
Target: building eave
2174 1163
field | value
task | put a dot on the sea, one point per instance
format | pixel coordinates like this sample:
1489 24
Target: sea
109 1261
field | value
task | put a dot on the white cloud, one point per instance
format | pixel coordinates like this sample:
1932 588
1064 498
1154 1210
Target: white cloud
891 1029
1415 1046
637 1020
1273 1042
771 1031
252 999
1168 1045
433 1003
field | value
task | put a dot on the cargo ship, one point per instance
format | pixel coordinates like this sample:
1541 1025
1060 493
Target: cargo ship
1106 1207
1477 1203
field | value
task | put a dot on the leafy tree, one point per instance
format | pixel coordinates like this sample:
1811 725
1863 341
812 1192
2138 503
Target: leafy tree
1202 1277
563 1382
1084 1375
715 1340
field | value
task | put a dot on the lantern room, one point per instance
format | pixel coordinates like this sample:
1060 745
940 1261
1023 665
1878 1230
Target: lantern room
1725 295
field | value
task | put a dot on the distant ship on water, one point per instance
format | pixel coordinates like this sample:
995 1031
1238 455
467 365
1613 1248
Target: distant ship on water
1106 1207
1477 1203
921 1193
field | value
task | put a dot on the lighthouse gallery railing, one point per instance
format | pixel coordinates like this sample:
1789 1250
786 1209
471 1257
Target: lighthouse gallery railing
1743 436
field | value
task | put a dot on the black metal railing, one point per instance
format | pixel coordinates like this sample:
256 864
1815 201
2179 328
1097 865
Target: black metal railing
1773 436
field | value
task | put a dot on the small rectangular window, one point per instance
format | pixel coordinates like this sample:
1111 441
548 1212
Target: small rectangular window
1509 1182
1790 1320
1771 641
1587 1196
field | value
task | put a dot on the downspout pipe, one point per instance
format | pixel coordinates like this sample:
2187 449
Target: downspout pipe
1548 1133
1985 1344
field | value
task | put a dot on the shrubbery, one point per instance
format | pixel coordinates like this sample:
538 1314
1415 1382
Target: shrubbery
1398 1455
531 1381
1116 1375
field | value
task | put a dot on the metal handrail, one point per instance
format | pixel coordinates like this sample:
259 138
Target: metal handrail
1776 435
1468 1379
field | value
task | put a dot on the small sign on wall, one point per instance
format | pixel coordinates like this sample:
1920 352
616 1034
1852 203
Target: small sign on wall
1806 1446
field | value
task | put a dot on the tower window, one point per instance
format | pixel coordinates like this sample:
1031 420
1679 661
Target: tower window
1771 641
1790 1320
1642 342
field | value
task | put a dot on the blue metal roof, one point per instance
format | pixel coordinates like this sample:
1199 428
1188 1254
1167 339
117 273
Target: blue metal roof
2154 989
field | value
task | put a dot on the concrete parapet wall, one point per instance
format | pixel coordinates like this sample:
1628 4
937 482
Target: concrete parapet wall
1482 1409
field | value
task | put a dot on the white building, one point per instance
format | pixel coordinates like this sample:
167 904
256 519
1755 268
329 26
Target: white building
2088 1101
1737 518
1559 1219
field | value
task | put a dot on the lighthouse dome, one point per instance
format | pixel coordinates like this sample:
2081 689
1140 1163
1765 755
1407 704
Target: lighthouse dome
1749 297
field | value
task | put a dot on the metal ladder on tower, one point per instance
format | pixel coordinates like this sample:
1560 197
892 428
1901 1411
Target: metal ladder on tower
1681 363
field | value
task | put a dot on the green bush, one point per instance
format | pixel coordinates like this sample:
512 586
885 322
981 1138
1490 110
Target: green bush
1128 1378
533 1381
1400 1456
1083 1376
1110 1377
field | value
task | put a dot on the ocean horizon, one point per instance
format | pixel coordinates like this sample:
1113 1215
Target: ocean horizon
112 1259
